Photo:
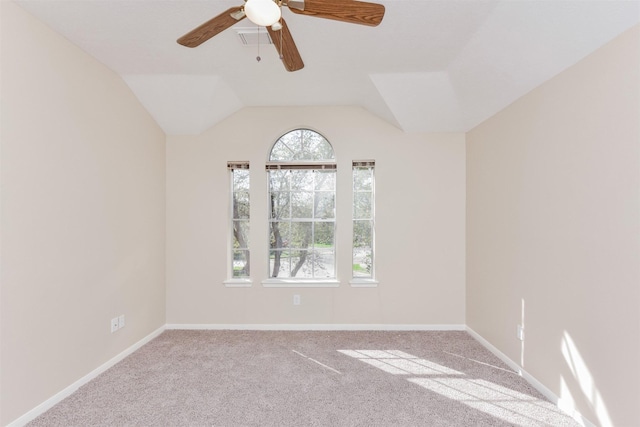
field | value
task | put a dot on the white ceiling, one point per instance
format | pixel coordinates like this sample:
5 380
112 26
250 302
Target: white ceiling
431 66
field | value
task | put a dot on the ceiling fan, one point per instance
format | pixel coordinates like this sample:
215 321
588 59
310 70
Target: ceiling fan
267 13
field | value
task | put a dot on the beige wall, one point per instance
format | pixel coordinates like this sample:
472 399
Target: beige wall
82 214
419 222
552 220
553 236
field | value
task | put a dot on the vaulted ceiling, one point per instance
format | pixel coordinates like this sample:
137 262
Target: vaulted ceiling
430 66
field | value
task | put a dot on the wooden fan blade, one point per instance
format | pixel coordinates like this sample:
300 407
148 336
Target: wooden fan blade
286 47
212 27
355 12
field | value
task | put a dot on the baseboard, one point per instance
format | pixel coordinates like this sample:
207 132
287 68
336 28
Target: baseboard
317 327
58 397
564 406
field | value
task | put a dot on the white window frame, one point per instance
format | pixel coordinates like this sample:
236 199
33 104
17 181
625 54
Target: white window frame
245 281
302 165
371 280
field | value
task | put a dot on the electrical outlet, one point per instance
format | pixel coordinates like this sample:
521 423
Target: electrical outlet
296 299
121 321
114 324
520 332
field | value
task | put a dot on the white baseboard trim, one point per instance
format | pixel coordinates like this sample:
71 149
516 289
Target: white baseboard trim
316 327
58 397
563 405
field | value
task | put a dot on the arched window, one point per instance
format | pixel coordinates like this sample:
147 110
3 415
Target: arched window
302 207
302 145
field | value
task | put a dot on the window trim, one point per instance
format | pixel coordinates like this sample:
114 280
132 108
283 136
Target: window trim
235 282
326 164
238 283
304 281
274 282
364 282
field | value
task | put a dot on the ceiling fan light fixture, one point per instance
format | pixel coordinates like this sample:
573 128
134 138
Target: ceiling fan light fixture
262 12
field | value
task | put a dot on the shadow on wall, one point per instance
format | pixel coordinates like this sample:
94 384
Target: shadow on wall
583 377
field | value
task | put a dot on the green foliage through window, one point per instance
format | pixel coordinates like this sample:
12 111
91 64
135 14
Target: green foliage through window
302 194
240 187
363 219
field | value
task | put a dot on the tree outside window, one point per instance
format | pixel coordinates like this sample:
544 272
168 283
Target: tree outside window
302 186
240 256
363 219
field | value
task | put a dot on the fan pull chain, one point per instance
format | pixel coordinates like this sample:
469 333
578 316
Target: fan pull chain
258 57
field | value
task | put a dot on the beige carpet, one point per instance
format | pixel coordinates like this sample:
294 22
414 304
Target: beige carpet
251 378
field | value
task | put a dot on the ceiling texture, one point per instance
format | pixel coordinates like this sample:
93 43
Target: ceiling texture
430 66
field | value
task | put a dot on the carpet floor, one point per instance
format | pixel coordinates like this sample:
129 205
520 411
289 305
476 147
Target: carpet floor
276 378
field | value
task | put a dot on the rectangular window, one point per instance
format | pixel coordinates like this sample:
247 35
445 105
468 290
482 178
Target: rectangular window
240 257
363 219
302 221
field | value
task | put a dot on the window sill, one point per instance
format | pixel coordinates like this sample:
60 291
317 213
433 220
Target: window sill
297 283
238 283
363 283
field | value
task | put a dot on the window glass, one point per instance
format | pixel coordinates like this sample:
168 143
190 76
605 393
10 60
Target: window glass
240 207
302 184
363 219
301 145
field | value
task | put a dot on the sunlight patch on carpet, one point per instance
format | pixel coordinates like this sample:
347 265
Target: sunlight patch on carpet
493 399
485 396
397 362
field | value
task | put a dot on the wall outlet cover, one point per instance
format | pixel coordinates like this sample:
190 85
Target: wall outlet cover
114 324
